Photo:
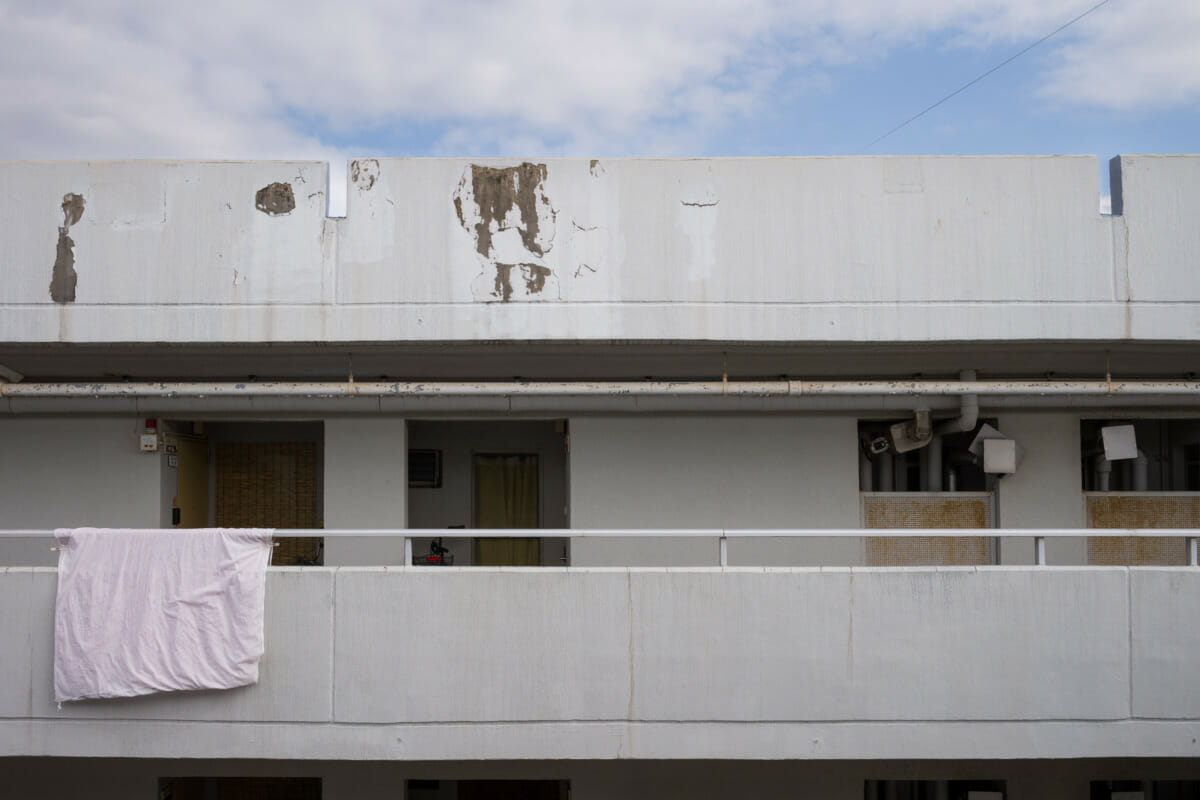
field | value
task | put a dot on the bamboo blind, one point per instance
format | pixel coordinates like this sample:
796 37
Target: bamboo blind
270 485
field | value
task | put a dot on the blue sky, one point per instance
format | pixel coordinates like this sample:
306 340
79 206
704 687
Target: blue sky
303 79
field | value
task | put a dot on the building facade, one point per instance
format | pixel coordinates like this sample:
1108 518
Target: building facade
629 447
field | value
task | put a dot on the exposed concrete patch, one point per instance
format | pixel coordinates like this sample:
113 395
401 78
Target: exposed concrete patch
509 216
275 199
495 191
364 173
63 277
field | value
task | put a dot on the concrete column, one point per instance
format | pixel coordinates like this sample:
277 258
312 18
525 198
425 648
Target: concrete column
366 486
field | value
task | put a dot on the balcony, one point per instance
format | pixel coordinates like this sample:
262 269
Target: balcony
446 663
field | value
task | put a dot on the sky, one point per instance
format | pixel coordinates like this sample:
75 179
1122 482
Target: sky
98 79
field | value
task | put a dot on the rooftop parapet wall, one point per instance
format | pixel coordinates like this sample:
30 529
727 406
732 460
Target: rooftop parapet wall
780 249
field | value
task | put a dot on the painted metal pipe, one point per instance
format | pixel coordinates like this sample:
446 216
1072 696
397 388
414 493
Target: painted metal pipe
782 388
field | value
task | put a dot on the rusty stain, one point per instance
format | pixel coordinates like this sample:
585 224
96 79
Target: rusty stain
1140 511
925 512
63 277
596 168
699 204
275 199
364 173
582 267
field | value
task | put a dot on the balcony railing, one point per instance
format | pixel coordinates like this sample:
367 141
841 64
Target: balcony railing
720 535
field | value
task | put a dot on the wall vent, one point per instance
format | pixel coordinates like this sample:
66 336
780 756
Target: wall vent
424 469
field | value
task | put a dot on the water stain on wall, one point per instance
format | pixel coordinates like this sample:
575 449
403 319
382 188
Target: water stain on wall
275 199
510 218
63 277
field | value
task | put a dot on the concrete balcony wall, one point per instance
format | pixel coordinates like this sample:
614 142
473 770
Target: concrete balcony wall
876 249
786 663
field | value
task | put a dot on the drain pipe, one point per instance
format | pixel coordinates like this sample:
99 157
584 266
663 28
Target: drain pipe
1103 468
933 465
1141 466
968 414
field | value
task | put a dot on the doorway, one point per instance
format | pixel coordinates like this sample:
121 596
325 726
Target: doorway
249 475
488 474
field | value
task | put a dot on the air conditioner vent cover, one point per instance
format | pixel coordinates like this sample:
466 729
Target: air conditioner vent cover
424 469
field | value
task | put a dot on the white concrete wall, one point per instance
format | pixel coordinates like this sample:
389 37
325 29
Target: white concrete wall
875 249
1047 489
1159 239
483 663
65 472
366 486
714 472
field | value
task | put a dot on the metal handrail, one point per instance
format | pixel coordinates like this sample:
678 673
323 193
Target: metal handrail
1039 535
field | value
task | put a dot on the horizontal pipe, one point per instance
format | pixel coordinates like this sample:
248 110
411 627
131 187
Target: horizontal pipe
688 533
781 388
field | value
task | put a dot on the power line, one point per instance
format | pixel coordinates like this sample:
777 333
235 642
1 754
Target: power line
1003 63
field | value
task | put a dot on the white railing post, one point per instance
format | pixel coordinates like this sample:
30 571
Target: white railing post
1193 556
724 552
407 551
1039 550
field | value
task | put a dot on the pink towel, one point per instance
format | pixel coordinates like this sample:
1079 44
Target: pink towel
143 611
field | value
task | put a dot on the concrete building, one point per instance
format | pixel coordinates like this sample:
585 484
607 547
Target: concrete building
628 392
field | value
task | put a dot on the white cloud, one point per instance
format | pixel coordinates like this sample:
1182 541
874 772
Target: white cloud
226 79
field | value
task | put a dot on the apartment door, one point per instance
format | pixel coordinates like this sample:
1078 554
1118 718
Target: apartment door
191 481
506 496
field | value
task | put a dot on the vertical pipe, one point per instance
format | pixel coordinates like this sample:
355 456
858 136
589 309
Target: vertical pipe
866 480
1103 469
951 480
899 474
933 464
883 482
1140 470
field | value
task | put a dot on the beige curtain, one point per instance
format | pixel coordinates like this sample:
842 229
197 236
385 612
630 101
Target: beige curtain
506 496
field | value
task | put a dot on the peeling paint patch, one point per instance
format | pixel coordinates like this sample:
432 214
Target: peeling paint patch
275 199
63 277
596 168
496 191
364 173
512 222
